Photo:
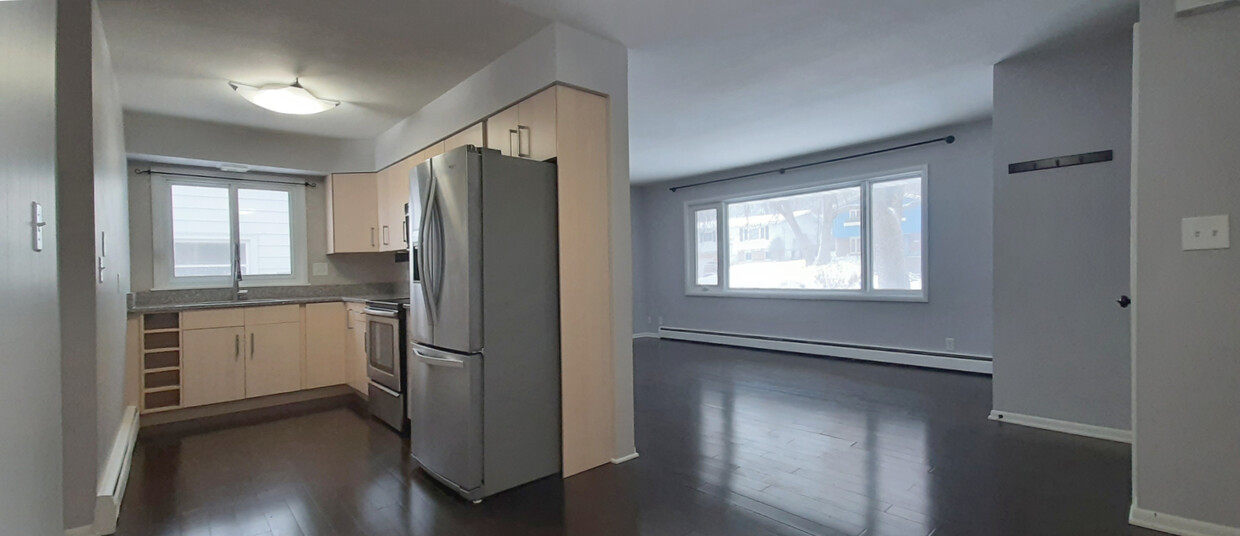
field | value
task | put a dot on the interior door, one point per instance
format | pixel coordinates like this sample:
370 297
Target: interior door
274 364
213 366
452 251
446 417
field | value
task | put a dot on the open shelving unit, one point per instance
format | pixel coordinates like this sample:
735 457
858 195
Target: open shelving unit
161 362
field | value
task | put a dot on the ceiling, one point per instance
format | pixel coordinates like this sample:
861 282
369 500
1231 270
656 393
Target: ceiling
717 84
384 58
713 84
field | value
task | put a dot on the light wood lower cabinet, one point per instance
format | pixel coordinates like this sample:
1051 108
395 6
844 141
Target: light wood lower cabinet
214 365
355 354
326 336
274 364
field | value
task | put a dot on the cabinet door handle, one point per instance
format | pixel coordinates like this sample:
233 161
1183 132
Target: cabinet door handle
366 344
525 150
372 237
386 235
251 347
237 347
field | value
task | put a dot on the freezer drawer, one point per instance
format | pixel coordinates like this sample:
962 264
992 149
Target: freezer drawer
446 434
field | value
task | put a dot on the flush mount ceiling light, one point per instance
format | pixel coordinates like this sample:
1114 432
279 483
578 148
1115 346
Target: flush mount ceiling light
284 98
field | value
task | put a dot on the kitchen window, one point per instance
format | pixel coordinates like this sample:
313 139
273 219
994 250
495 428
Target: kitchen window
205 227
853 239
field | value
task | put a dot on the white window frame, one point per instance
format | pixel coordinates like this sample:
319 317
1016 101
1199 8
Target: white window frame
161 221
866 293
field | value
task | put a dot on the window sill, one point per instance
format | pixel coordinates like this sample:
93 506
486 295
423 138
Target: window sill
244 285
920 297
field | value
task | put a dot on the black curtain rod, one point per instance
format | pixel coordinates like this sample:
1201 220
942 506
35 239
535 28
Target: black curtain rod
153 172
781 171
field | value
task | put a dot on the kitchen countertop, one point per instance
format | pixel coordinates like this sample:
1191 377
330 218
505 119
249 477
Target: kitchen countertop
260 302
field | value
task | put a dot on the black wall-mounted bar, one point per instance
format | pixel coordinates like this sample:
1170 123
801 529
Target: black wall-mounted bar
781 171
1061 161
153 172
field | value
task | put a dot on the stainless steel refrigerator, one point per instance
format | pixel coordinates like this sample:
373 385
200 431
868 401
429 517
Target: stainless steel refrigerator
484 355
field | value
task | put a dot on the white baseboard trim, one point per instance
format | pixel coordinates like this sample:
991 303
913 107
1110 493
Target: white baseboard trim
645 335
624 458
916 358
1067 427
113 479
1177 525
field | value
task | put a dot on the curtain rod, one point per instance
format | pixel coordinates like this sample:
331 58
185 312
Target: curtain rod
174 174
781 171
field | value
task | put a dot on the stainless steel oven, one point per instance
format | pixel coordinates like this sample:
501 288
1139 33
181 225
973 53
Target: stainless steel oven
385 361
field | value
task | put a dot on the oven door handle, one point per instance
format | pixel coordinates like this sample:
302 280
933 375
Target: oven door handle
380 312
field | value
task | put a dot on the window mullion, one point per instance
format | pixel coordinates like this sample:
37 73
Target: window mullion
722 248
867 245
234 217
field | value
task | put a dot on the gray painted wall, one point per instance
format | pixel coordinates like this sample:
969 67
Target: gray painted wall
30 453
92 202
342 269
1061 236
959 238
151 135
1187 359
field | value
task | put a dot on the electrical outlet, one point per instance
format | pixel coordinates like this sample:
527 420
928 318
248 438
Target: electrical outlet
951 343
1205 232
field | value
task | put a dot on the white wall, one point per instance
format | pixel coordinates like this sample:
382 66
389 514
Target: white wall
1061 236
1187 351
959 241
556 54
30 452
150 135
342 268
92 203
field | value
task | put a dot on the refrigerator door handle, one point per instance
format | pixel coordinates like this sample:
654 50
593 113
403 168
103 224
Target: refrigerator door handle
425 249
439 361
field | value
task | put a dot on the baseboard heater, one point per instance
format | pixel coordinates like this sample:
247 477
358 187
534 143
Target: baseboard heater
898 356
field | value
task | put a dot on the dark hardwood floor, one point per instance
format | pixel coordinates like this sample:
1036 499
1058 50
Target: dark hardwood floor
732 442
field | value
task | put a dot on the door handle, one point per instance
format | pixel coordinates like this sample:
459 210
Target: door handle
386 235
251 347
372 237
1124 301
514 132
439 361
529 134
366 344
237 347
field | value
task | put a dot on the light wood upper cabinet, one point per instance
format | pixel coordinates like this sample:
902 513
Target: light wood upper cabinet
213 366
274 359
390 204
470 136
326 325
538 125
527 129
502 131
353 221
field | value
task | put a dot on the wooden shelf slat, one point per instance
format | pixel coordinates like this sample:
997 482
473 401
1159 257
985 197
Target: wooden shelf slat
160 369
157 350
166 330
160 408
162 389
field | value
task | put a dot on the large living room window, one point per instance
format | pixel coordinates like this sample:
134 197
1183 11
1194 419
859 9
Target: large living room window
860 238
202 227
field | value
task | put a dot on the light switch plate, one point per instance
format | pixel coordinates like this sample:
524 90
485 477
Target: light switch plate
320 269
37 221
1205 232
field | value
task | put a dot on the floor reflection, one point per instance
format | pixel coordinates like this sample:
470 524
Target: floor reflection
732 442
